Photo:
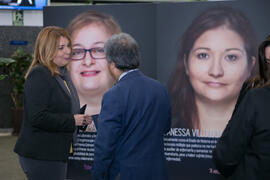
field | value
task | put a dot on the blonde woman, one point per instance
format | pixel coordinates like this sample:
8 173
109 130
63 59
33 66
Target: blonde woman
50 109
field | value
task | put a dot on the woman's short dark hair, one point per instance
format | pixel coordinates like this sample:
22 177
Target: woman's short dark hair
94 17
184 109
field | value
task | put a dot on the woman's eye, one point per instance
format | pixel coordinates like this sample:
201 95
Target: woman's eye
202 56
77 52
99 50
231 57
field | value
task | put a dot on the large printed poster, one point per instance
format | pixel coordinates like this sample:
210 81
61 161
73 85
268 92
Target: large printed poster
90 27
202 51
208 52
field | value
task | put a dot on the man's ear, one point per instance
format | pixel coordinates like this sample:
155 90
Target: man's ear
186 64
113 70
112 64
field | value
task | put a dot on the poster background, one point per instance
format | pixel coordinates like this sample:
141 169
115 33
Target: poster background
158 28
174 18
172 21
135 19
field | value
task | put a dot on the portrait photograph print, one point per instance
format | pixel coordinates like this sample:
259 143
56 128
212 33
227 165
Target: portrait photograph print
209 51
202 51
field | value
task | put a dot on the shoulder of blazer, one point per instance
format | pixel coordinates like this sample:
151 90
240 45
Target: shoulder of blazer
40 72
40 69
132 74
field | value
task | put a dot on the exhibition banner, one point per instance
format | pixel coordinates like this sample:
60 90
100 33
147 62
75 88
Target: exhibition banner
202 51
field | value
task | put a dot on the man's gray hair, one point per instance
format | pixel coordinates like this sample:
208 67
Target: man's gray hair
123 50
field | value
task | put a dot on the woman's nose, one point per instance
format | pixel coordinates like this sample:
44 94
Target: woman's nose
88 60
216 68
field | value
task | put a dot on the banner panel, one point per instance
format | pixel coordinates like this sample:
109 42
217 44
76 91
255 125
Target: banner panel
203 51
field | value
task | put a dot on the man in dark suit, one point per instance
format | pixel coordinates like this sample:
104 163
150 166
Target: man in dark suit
135 115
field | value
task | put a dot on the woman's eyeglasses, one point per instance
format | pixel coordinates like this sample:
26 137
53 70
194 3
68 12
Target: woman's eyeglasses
95 53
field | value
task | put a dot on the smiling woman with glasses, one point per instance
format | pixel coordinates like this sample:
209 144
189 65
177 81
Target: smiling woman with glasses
89 73
88 69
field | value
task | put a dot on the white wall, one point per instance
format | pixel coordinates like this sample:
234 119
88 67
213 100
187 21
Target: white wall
31 17
5 18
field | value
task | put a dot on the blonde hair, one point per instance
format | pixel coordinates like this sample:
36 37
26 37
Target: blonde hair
94 17
46 48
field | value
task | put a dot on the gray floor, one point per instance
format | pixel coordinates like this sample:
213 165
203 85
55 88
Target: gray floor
9 164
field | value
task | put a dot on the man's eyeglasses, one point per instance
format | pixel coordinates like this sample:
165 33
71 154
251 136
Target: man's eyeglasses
95 53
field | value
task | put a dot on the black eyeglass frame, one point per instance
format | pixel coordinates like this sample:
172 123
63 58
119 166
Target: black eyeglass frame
90 52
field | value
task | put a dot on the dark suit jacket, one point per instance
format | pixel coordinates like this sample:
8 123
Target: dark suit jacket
243 151
48 124
134 116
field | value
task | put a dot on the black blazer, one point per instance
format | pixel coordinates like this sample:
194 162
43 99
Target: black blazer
243 150
48 124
